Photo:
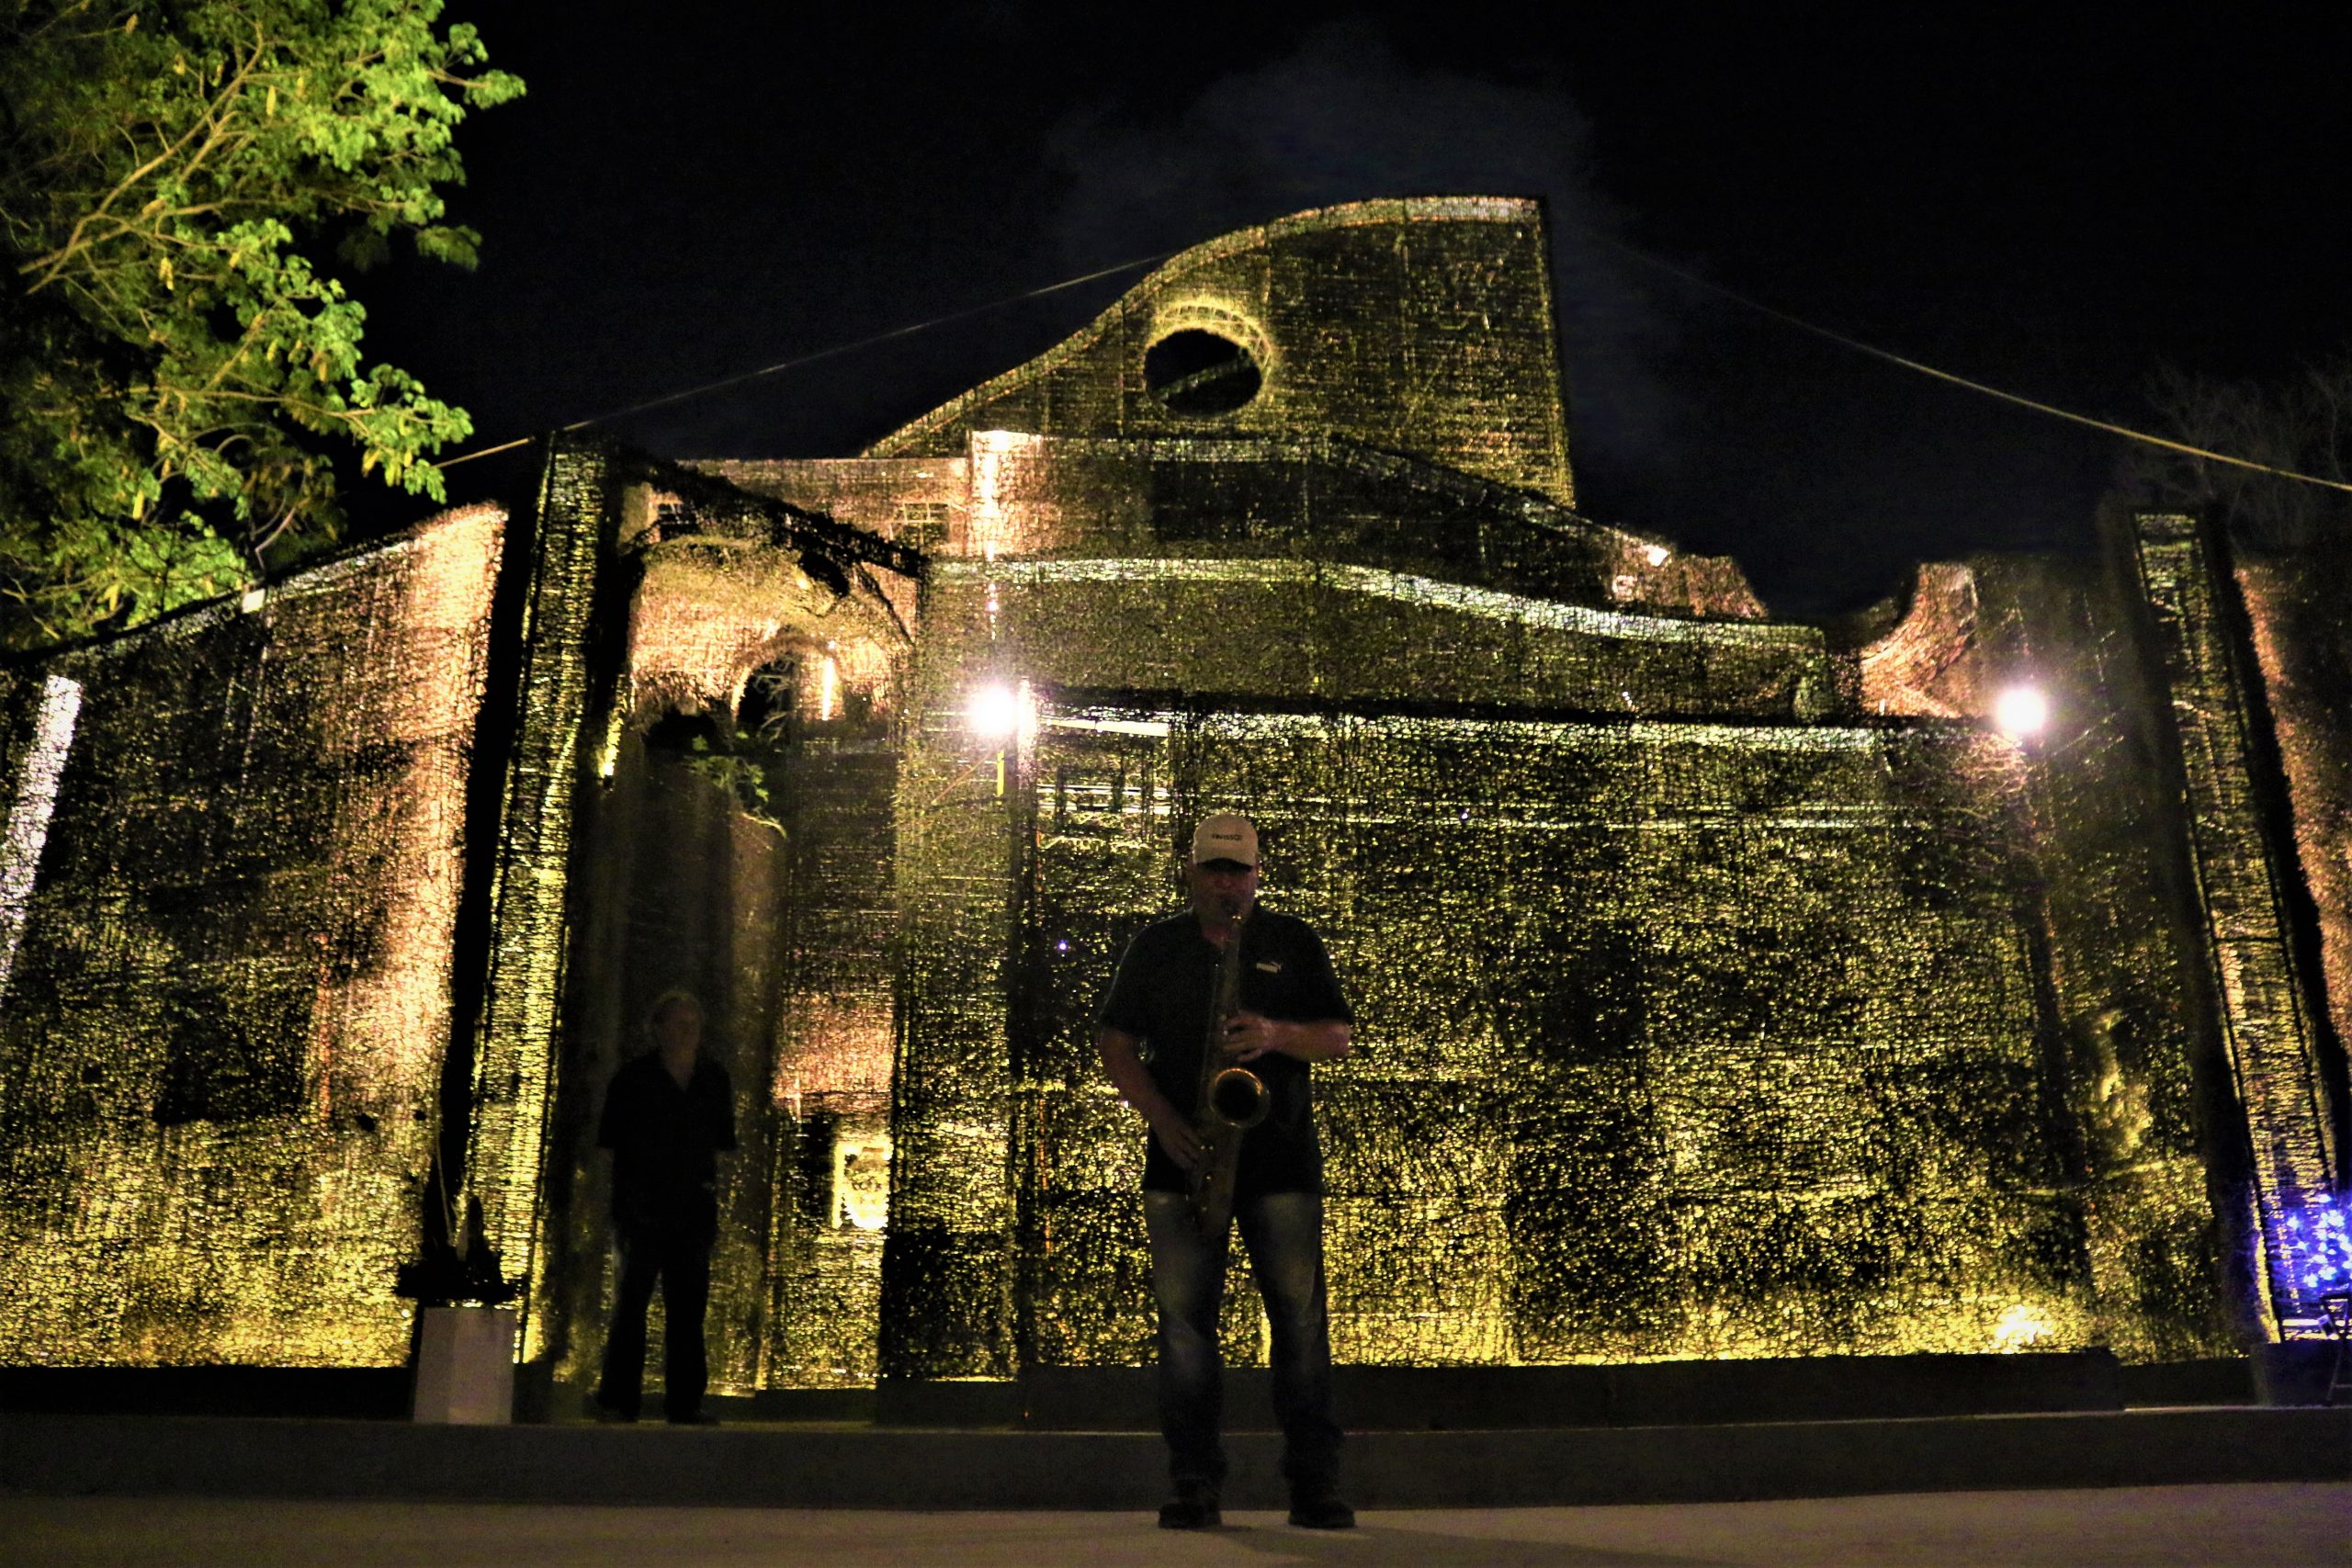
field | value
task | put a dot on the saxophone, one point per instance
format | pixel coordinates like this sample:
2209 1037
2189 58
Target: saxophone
1232 1101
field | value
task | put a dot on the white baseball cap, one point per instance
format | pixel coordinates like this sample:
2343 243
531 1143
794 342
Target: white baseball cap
1225 837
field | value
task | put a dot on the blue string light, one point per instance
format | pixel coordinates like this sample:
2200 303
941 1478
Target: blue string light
2316 1251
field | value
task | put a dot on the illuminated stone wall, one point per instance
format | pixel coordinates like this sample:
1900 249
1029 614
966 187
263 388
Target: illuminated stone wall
1687 1033
738 843
948 1263
2128 1043
1421 326
228 999
1675 1040
1275 629
1727 987
1325 500
2128 1036
1217 495
922 502
2303 640
830 1085
2276 1044
553 667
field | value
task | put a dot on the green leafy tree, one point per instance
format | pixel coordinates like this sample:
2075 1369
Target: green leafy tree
177 367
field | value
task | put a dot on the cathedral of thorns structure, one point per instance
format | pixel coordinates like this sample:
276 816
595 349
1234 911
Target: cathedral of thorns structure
1727 987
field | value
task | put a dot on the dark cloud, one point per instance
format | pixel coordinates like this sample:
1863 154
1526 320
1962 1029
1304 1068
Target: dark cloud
1343 118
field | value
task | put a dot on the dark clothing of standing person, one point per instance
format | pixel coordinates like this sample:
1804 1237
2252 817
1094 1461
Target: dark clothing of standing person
666 1137
1162 994
1153 1028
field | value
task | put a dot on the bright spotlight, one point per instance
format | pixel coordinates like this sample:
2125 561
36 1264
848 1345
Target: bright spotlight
996 712
1656 553
2021 711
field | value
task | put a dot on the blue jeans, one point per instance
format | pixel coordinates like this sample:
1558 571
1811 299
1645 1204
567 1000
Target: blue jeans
1284 1232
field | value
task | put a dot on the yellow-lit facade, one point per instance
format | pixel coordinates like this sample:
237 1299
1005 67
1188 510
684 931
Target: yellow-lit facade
1727 987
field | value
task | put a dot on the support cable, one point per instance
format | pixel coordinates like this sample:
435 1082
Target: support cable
1645 257
838 349
2051 409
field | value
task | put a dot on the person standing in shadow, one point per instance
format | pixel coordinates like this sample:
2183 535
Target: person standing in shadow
669 1115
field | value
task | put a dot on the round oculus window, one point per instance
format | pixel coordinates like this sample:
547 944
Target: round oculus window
1200 372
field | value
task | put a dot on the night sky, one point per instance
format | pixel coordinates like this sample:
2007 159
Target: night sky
2056 203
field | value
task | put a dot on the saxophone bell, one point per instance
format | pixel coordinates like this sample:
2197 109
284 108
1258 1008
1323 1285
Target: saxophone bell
1238 1098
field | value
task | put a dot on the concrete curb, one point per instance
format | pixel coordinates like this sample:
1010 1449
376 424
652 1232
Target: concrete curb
812 1466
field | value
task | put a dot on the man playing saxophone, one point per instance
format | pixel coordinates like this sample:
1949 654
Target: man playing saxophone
1164 1040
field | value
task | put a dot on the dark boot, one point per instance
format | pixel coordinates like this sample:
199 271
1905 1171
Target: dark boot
1319 1509
1195 1508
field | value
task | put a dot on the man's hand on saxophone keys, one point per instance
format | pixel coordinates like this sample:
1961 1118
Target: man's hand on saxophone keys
1248 1036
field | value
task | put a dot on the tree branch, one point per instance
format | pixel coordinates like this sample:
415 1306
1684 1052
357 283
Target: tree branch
51 264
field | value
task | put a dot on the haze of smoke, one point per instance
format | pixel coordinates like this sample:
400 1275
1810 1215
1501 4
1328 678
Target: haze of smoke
1342 119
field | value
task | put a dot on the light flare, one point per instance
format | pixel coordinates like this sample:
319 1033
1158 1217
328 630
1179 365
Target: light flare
2022 711
1000 712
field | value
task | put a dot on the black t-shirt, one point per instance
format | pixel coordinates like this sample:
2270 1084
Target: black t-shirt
666 1142
1162 995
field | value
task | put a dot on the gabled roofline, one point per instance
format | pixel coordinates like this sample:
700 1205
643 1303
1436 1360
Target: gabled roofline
1347 215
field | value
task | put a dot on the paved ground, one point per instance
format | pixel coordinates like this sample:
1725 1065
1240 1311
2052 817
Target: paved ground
2291 1526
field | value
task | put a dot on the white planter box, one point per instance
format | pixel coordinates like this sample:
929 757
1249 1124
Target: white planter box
465 1366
